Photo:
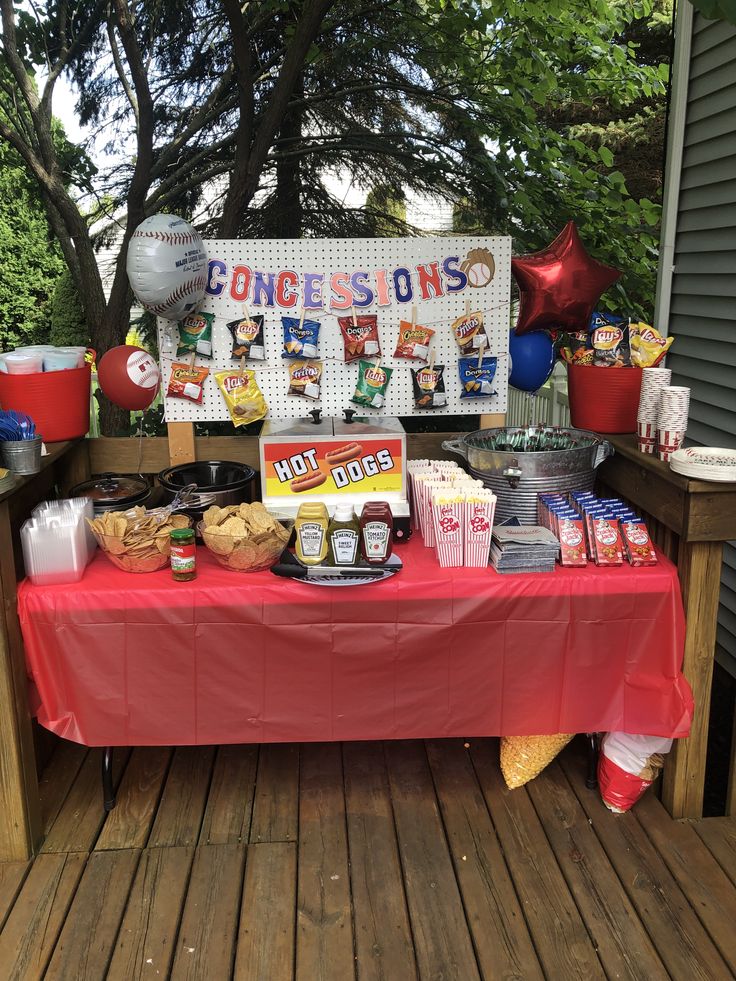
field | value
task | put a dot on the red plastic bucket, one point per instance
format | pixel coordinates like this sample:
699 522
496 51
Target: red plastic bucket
57 401
605 400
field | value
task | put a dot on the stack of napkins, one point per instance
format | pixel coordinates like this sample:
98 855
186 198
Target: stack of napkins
526 548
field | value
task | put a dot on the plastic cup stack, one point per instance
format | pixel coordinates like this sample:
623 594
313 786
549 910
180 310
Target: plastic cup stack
672 423
652 382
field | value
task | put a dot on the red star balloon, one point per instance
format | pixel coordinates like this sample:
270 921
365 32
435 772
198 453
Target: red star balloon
560 285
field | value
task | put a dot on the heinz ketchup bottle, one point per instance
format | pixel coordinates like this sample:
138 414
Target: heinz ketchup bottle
376 530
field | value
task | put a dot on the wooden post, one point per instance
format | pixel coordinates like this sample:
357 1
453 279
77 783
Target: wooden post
20 814
699 568
181 443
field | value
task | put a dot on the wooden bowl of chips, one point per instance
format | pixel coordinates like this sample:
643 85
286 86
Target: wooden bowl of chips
135 541
244 537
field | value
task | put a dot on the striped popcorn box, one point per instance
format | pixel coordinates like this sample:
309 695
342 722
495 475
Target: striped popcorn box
429 530
425 485
412 473
448 517
478 530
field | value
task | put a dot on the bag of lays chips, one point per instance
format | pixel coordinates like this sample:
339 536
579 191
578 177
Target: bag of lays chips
373 381
429 386
243 397
195 335
610 343
648 347
247 335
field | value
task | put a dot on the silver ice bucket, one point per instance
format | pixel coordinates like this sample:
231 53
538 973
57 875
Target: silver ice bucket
517 464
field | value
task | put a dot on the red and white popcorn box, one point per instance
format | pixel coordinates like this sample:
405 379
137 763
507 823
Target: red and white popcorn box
478 531
415 467
448 518
426 485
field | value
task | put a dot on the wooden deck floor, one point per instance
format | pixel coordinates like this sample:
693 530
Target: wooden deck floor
367 861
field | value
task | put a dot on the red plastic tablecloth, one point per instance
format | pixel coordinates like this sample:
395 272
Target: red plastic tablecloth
121 659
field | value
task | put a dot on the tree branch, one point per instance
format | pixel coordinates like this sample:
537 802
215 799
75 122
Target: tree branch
119 68
249 160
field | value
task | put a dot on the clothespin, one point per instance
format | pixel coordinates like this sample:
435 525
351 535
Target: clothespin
242 367
467 308
192 356
245 311
355 316
301 319
413 314
431 359
481 351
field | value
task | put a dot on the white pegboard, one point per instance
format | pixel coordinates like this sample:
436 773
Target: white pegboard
328 256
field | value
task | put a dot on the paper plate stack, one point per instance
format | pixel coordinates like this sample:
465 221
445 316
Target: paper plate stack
705 463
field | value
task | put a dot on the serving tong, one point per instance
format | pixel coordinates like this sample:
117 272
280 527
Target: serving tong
183 500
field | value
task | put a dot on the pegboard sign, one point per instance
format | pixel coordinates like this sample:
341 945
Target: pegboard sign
382 276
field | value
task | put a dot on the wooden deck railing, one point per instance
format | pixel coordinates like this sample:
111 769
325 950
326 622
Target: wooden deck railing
690 520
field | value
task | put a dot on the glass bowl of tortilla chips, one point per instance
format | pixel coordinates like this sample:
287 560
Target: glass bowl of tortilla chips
136 540
244 537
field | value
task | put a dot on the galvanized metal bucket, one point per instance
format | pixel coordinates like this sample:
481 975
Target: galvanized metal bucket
517 476
22 456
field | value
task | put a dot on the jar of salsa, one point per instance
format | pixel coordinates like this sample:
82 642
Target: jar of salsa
376 530
183 555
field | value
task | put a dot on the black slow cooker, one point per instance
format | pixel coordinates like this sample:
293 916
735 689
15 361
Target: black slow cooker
227 482
114 492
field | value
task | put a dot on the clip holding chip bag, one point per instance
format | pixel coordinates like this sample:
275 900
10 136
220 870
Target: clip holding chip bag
429 386
187 382
243 397
301 338
476 377
305 379
469 332
360 336
370 389
195 335
247 335
413 342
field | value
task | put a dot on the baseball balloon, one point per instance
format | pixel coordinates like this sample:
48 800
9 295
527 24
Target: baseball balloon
167 266
129 377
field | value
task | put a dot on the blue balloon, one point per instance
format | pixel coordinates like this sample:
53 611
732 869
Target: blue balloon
531 359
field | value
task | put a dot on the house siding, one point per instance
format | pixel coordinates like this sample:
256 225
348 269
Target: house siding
703 297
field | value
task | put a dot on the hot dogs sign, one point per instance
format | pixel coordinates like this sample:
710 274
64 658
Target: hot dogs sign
331 467
394 283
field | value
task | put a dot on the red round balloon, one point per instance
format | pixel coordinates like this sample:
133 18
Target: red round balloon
129 377
560 286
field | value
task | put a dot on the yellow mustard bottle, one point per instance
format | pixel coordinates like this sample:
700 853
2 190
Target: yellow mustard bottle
312 521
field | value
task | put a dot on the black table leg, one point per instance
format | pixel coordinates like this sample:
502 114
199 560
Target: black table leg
108 793
591 778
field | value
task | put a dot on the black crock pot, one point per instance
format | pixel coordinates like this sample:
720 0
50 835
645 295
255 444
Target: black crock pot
114 492
229 482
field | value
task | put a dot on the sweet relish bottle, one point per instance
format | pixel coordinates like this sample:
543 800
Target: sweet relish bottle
183 555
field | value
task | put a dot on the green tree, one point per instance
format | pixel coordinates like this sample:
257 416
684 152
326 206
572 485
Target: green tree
30 260
252 104
68 323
